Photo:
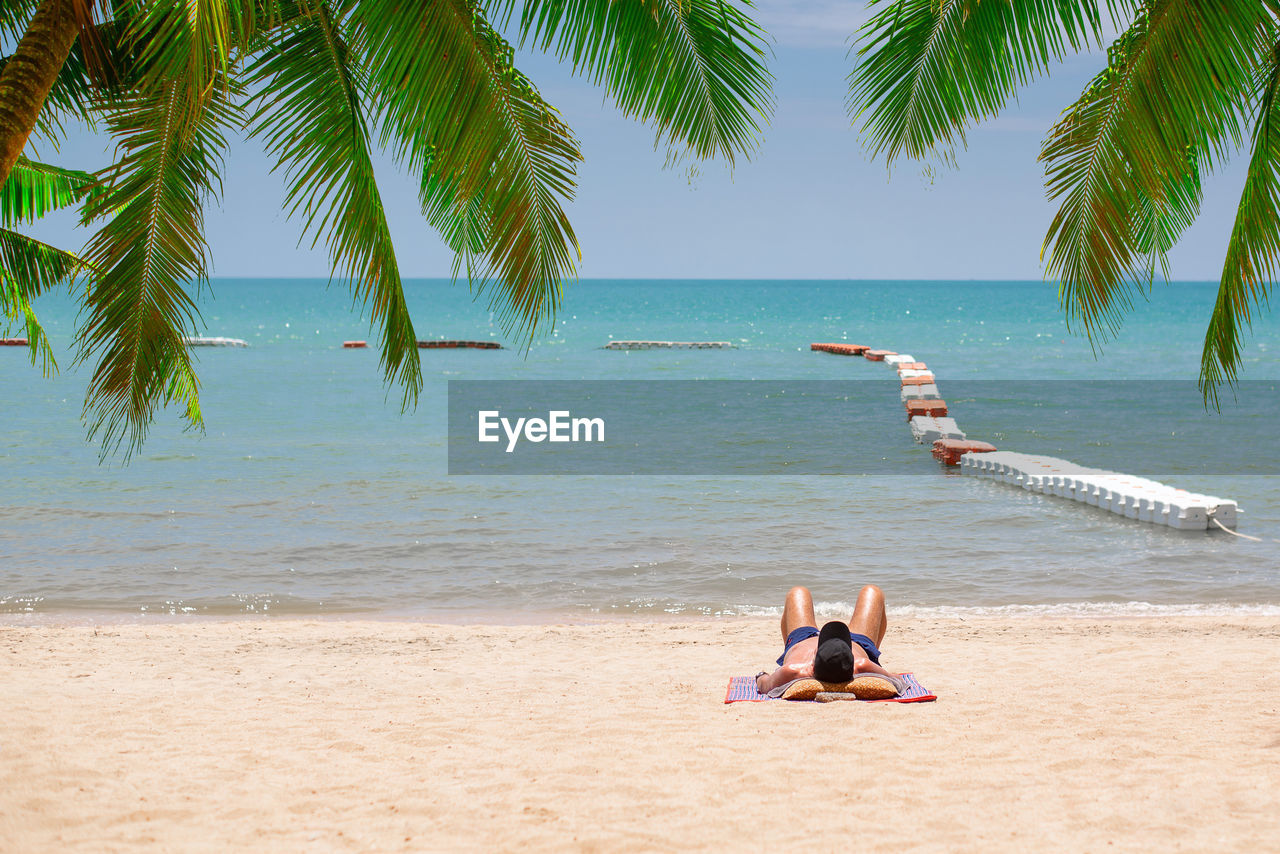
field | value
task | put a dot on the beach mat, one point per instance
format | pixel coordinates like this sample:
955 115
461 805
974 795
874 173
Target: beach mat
742 689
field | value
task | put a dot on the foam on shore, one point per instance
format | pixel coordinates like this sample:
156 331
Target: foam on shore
1090 610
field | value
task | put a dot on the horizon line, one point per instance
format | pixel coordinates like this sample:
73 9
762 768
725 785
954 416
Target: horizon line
451 280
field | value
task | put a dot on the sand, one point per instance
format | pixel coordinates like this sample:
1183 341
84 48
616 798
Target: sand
297 735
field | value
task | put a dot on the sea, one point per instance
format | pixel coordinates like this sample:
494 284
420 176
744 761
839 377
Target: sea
311 490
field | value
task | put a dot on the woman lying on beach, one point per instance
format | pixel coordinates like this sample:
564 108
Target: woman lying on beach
837 651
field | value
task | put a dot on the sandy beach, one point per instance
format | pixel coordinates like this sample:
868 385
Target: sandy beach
297 735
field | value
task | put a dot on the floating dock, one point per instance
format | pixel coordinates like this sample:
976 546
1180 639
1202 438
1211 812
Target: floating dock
949 451
669 345
927 391
434 345
14 342
461 345
932 407
926 430
216 342
841 349
1125 495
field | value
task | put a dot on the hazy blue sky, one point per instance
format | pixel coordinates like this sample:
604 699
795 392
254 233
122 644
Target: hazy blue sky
810 204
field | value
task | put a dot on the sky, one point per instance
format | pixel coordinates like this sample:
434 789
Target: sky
810 204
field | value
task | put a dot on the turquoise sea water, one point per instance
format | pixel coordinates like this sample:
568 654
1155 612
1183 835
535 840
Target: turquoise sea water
310 492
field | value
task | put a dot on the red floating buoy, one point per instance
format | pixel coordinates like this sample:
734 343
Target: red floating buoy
840 349
352 345
931 408
13 342
949 451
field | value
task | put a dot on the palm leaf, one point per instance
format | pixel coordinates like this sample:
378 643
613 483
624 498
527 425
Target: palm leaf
463 222
1159 221
311 117
193 40
1254 250
138 311
15 15
450 96
694 68
929 68
1128 141
465 219
530 247
29 268
34 189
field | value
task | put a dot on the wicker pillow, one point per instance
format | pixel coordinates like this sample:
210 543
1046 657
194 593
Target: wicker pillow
864 686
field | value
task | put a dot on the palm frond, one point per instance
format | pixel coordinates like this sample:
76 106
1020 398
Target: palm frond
1158 222
450 94
463 222
530 246
695 69
928 69
197 40
1253 254
29 268
14 17
1128 141
33 189
465 219
311 115
137 309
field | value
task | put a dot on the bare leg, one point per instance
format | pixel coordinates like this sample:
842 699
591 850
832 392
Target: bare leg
797 611
868 614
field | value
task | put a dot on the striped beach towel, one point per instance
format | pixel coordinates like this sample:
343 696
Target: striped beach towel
742 689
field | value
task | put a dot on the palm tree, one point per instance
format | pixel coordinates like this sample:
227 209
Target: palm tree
322 83
1187 83
30 73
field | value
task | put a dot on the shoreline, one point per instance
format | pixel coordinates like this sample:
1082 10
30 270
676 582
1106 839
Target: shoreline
524 617
1065 733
